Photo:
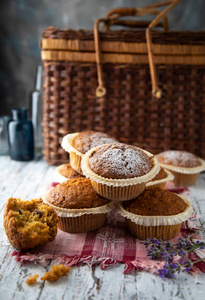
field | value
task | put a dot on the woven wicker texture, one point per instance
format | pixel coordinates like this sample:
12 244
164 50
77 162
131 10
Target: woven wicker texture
130 65
128 112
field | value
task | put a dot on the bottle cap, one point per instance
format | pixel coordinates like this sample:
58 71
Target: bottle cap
19 113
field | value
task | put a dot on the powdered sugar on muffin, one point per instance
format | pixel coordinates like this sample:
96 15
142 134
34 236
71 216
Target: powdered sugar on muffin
120 161
86 140
179 158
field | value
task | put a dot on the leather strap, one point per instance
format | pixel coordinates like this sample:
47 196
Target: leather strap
112 18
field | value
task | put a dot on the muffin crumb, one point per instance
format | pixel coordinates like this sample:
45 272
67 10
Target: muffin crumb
32 279
56 272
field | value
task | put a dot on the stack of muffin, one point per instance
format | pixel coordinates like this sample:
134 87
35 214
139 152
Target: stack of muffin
104 174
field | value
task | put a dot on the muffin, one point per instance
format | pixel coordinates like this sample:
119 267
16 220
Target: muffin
185 166
65 172
156 213
29 223
161 179
118 171
79 143
79 207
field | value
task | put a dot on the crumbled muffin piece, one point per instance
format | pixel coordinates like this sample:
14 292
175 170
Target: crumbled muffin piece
29 223
86 140
156 202
32 280
56 272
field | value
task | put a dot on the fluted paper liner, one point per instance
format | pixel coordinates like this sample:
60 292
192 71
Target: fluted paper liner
185 176
161 182
157 220
118 182
82 219
84 223
118 189
75 155
66 212
185 170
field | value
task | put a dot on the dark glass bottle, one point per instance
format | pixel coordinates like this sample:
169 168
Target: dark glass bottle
20 134
36 110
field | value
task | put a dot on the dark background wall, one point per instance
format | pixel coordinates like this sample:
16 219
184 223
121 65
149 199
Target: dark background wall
22 23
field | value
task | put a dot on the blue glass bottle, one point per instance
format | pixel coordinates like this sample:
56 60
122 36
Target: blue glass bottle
20 134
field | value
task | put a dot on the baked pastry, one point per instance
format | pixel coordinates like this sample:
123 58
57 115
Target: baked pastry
79 143
184 165
65 172
155 213
32 279
56 272
161 179
29 223
79 207
118 171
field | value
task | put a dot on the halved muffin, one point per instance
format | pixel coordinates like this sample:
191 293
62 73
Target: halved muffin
29 223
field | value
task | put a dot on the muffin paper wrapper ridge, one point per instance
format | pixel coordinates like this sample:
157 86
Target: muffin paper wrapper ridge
157 220
184 170
65 212
169 177
75 155
117 182
67 143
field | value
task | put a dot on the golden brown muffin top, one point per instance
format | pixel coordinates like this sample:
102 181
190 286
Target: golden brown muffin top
86 140
118 161
156 202
179 158
67 171
74 194
161 175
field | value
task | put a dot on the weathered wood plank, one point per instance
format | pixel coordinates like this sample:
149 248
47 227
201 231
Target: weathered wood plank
30 179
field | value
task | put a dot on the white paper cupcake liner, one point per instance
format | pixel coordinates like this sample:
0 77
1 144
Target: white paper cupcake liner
117 182
75 155
157 220
184 170
67 143
65 212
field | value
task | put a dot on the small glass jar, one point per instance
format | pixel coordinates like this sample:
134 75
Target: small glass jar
20 134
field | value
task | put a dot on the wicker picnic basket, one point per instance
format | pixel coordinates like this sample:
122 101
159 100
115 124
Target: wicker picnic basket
144 87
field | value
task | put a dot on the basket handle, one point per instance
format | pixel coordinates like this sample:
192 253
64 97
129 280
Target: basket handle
114 15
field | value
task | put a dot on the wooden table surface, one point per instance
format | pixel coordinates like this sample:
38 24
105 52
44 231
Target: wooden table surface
27 180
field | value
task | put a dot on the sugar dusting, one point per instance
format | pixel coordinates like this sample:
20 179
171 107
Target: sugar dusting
120 161
178 158
87 140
